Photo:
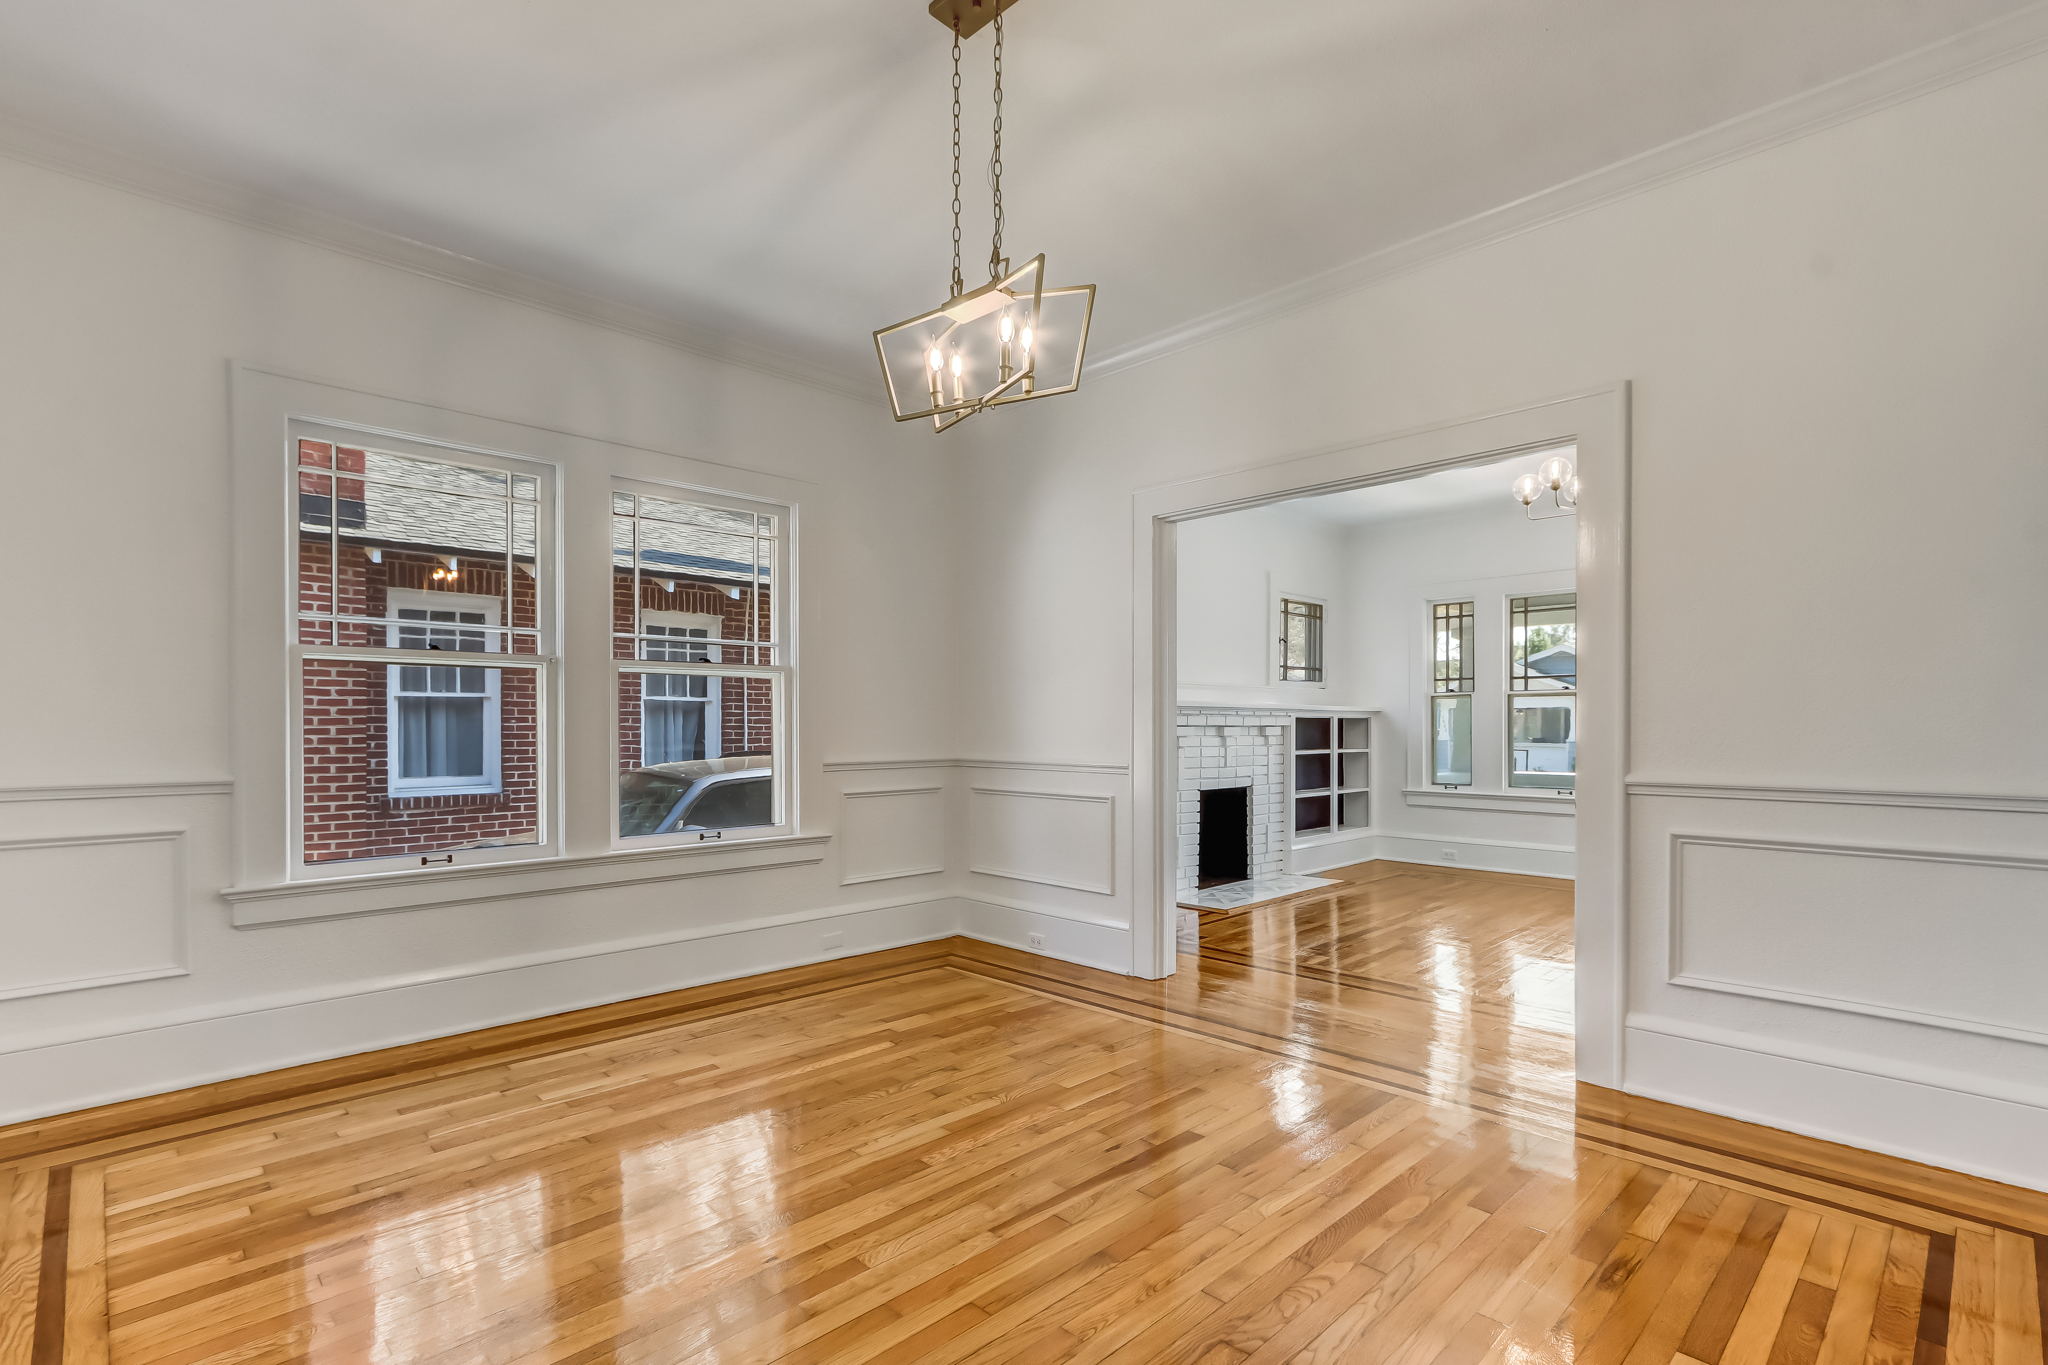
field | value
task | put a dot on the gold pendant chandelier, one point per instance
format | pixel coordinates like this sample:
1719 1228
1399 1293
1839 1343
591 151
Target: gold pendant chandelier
1008 341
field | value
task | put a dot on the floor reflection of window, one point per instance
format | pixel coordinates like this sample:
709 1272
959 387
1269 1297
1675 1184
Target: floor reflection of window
698 1193
443 1269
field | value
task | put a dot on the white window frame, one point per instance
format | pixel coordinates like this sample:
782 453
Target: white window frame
1492 755
687 620
781 675
571 660
541 662
491 782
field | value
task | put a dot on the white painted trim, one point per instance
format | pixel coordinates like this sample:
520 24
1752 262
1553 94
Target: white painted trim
858 765
86 160
1674 911
2010 38
387 892
1464 798
898 873
65 1070
1597 423
1836 796
119 791
1479 855
1108 886
1980 1125
181 956
1101 944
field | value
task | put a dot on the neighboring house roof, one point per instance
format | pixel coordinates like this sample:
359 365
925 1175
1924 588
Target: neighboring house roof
427 518
1559 661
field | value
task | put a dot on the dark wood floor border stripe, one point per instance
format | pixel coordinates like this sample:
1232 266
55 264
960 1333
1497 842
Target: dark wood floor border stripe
566 1040
1334 977
48 1343
1931 1336
1306 1053
2041 1292
1650 1154
1839 1182
1647 1155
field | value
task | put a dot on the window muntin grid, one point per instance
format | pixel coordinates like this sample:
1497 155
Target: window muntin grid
1543 643
1301 640
1451 637
708 550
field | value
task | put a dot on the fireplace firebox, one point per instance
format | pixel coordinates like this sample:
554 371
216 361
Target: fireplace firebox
1224 850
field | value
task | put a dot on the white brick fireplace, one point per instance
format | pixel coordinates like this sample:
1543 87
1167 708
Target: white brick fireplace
1233 748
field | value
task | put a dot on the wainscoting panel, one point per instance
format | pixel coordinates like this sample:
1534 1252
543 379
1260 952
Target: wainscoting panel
890 832
128 888
1948 939
1052 838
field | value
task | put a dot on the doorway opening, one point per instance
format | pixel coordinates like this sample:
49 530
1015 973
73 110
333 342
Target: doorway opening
1384 645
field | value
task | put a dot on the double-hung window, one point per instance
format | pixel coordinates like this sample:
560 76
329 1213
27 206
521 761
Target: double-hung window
699 614
406 555
1452 683
1543 691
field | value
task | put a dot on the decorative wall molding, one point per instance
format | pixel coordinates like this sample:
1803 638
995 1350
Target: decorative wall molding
1981 1125
1104 885
855 836
385 893
1837 796
266 212
176 957
1518 803
872 765
2008 39
1677 973
114 791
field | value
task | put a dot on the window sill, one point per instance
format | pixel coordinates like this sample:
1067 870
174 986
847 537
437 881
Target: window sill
381 893
1467 799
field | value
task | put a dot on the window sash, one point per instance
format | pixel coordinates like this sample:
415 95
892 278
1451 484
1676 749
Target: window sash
1305 665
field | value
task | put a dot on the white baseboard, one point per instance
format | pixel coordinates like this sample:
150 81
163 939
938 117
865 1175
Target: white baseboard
151 1058
1842 1098
1306 860
1481 855
1084 941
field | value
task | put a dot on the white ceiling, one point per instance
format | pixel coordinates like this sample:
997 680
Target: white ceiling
775 172
1467 488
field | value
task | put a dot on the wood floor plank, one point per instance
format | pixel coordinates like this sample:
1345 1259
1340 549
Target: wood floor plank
1346 1131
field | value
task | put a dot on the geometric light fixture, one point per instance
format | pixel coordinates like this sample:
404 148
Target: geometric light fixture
1007 341
1555 476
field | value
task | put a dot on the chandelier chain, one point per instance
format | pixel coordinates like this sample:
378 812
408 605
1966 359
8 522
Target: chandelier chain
959 281
998 264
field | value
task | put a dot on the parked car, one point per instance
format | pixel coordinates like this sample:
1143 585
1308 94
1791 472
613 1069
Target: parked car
700 793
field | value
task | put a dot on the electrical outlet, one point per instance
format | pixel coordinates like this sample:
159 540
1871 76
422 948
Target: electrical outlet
1037 941
833 941
1449 855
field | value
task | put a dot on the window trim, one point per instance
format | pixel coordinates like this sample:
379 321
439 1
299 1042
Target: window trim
492 780
781 675
1512 687
268 881
1468 676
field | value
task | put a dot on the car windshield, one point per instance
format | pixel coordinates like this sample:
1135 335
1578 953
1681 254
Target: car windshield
647 796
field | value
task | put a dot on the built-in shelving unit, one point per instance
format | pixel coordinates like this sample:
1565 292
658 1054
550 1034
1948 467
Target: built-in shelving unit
1331 778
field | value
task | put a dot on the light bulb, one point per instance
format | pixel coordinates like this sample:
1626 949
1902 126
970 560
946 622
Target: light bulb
1025 341
1571 489
938 360
956 364
1527 489
1555 471
1009 327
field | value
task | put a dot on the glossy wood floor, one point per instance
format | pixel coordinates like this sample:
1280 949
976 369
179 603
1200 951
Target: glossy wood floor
1346 1132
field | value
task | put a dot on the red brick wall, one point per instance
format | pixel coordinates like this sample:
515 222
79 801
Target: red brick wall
349 811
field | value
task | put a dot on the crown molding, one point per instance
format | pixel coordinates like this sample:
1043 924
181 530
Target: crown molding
46 147
2015 37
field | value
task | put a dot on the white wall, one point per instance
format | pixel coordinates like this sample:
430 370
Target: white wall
1398 566
124 312
1836 347
1232 569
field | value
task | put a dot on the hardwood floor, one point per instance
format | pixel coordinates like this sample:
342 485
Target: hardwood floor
1345 1132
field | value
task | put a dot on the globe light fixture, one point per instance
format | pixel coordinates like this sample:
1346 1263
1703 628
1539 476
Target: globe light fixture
1007 341
1556 477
